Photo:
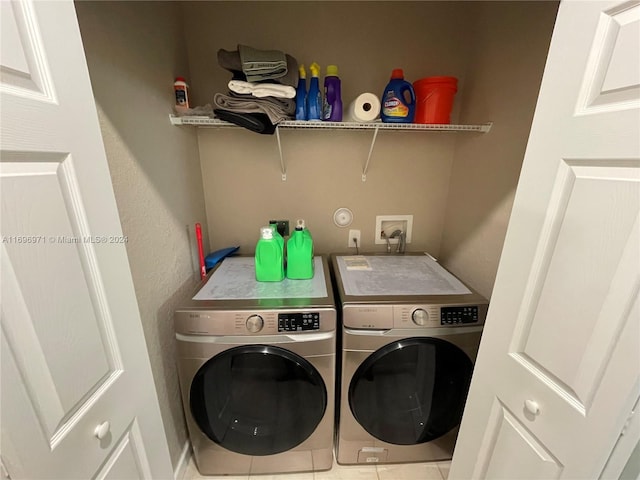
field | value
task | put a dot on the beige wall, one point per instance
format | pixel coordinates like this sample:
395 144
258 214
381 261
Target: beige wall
507 59
409 172
134 50
497 51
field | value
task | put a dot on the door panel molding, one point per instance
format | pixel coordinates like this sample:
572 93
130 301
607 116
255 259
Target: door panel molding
611 83
29 74
127 456
59 401
499 458
586 198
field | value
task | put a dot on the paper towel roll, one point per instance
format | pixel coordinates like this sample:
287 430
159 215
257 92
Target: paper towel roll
365 108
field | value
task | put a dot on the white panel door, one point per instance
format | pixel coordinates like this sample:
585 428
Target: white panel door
558 370
78 399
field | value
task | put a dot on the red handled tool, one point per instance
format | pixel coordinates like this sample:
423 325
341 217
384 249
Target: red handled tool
203 269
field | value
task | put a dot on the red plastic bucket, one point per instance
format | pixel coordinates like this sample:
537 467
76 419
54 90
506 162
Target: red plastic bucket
434 99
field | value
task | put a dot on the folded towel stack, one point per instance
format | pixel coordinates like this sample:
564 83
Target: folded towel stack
277 109
261 91
262 64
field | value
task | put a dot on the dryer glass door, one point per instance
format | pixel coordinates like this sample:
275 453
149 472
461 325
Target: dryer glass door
258 399
411 391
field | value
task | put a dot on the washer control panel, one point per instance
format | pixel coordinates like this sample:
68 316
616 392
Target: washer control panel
261 322
458 315
298 321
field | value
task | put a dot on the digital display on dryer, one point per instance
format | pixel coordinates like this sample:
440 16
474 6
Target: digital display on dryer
298 322
456 315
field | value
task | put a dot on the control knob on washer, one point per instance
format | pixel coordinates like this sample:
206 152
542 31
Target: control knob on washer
255 323
420 316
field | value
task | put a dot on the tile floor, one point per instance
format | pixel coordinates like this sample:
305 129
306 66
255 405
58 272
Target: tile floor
406 471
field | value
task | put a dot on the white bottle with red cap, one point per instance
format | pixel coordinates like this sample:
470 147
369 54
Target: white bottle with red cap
181 90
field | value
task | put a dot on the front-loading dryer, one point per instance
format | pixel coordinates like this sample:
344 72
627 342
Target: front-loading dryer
410 335
257 364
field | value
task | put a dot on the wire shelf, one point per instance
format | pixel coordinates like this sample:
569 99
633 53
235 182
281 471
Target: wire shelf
203 121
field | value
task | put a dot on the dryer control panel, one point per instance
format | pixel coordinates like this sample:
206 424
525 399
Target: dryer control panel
298 321
383 317
439 315
458 315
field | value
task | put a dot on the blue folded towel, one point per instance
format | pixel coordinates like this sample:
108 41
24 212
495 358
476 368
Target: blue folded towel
216 257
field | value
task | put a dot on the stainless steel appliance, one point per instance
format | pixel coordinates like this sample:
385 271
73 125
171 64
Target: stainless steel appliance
257 371
410 336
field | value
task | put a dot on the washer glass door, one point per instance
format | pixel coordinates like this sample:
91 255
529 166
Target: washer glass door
258 399
411 391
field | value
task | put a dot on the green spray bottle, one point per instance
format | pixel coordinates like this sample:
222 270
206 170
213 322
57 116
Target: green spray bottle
269 257
300 253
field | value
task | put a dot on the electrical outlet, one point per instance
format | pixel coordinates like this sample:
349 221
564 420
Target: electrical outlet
283 226
354 234
388 224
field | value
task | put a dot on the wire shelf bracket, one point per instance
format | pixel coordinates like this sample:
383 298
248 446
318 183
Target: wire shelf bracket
205 121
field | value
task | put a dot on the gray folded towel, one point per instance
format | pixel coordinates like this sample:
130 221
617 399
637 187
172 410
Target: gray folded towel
275 112
230 60
288 105
262 64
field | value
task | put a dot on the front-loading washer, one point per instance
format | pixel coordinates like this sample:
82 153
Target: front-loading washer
257 364
410 335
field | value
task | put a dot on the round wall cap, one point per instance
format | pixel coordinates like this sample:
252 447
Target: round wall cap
343 217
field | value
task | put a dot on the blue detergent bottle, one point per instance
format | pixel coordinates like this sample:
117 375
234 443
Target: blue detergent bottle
301 94
314 97
398 100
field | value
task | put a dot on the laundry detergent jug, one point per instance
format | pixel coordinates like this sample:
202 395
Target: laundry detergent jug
398 100
300 253
269 257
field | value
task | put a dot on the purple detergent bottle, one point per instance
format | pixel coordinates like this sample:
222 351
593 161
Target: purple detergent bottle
332 106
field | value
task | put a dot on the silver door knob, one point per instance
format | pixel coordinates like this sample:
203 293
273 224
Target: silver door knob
532 407
102 430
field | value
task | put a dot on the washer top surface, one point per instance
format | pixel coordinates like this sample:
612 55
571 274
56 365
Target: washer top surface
400 279
232 285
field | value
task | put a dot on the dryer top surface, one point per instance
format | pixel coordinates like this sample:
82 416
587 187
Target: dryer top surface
232 286
408 278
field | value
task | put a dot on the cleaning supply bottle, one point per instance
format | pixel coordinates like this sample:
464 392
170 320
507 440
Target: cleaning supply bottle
398 100
181 90
301 94
269 259
314 97
300 253
332 106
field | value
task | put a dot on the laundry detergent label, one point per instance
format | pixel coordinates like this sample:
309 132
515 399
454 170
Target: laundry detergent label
393 106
